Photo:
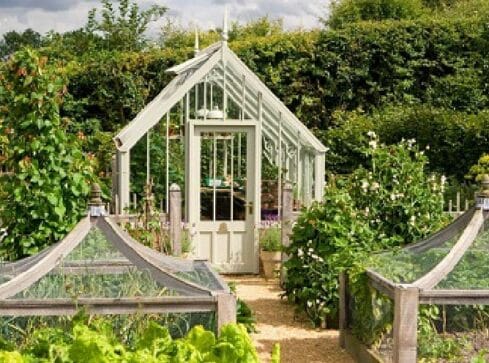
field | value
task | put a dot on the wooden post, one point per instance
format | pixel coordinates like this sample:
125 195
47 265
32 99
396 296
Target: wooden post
123 180
176 218
286 219
343 313
226 310
406 303
115 191
458 203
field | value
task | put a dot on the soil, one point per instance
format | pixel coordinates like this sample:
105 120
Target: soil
277 323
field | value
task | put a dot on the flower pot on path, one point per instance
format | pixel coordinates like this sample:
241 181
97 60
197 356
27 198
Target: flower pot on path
271 261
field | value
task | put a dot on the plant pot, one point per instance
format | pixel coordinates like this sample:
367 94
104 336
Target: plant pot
271 261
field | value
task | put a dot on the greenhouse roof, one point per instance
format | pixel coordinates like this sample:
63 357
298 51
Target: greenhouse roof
242 86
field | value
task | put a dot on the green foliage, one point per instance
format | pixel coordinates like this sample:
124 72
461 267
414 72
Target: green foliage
96 342
13 41
345 12
276 353
271 239
478 170
430 344
386 203
261 27
452 140
45 194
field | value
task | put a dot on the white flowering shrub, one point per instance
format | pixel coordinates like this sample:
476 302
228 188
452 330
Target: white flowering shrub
387 203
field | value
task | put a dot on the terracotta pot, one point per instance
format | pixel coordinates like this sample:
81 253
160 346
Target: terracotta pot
271 261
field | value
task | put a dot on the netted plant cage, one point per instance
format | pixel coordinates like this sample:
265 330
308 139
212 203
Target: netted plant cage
100 269
428 301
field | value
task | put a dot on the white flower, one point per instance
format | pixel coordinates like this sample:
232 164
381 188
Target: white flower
365 186
393 197
373 144
412 220
315 257
411 142
375 186
309 303
371 134
300 253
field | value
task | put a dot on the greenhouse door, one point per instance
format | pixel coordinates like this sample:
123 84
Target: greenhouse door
223 189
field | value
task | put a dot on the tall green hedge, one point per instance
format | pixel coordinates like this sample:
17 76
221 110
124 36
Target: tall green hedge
452 140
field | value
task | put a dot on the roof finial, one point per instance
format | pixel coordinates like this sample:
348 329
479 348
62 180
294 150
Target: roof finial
196 46
225 25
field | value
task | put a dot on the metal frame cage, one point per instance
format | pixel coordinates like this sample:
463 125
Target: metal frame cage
440 270
100 268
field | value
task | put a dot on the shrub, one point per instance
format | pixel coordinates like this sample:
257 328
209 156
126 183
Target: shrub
388 202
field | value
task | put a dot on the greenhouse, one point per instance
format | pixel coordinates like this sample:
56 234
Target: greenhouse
442 278
240 145
99 268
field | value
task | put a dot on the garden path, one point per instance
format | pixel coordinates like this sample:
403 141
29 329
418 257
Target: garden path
276 323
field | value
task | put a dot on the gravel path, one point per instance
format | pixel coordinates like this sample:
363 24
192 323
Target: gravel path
276 324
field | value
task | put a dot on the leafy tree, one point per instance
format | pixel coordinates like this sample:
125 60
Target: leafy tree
261 27
123 28
45 194
73 44
12 41
345 12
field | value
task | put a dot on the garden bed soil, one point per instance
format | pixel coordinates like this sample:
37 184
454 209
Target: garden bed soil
277 323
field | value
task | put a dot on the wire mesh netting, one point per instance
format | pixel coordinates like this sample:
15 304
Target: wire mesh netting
371 319
95 269
472 271
408 264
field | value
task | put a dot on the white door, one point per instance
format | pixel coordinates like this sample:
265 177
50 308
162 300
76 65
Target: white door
223 208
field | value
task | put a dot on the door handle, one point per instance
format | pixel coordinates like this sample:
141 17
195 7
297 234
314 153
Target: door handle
250 207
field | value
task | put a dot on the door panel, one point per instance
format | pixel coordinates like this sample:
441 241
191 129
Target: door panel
226 198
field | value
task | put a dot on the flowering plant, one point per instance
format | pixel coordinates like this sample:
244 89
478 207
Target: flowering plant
388 202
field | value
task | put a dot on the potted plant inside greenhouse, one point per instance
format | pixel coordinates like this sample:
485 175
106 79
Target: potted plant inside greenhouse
271 251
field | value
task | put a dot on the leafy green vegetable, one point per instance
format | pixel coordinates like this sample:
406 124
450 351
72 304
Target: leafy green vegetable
96 342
